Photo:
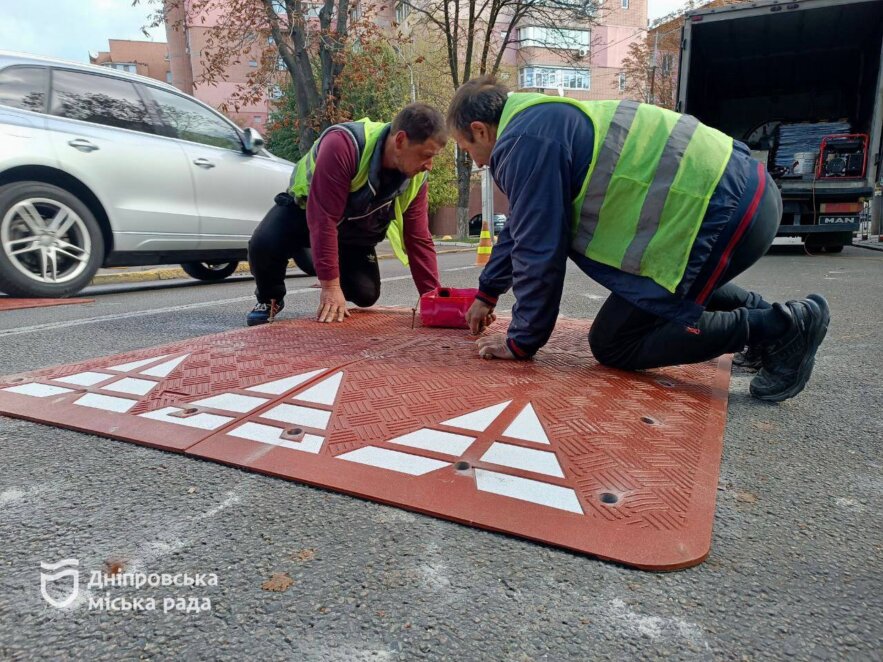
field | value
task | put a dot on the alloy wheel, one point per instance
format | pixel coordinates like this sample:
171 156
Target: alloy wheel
45 240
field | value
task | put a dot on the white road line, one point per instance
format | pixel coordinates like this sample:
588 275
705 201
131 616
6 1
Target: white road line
154 311
119 316
137 313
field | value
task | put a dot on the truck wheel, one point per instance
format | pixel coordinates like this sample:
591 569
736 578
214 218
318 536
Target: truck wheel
209 270
303 258
50 243
831 243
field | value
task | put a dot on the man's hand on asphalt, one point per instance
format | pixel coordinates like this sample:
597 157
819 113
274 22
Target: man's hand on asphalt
479 317
332 303
494 347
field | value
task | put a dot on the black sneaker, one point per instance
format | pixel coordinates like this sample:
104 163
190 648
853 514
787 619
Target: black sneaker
788 363
264 312
750 359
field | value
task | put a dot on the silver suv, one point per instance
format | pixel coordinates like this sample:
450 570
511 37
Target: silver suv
103 168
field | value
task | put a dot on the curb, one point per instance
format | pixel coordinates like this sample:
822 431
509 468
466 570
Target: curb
177 273
871 246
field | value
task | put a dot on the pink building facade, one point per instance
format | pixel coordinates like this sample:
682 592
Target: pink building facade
586 62
187 35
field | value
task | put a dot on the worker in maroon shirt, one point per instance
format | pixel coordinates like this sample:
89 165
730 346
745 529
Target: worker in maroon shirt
360 182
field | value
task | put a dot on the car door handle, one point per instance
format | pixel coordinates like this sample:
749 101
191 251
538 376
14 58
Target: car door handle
204 163
83 145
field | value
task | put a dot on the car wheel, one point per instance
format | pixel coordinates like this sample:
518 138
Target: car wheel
303 258
50 243
209 270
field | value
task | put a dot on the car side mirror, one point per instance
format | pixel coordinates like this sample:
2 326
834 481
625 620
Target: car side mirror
252 141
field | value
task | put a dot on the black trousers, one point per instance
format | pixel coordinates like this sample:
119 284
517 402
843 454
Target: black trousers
283 235
626 337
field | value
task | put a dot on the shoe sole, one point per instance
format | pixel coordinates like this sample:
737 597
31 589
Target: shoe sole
817 335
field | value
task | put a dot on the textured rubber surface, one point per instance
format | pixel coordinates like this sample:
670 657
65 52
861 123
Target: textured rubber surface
10 303
619 465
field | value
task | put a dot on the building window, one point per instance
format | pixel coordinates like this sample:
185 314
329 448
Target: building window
553 77
123 66
667 60
275 92
258 119
278 6
625 4
270 40
622 82
403 9
168 76
280 64
534 36
253 63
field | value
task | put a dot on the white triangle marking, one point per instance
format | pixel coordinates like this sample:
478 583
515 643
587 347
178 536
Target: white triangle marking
527 426
519 457
478 420
126 367
164 369
323 393
279 386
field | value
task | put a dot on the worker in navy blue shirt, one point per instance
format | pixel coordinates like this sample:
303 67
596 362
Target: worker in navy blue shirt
658 208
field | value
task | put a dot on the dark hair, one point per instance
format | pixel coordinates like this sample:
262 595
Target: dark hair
478 100
420 122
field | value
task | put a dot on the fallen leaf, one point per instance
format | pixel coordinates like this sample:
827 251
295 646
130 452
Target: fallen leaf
278 583
746 497
113 567
307 554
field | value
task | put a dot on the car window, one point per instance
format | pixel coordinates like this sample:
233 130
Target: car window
99 99
190 121
24 88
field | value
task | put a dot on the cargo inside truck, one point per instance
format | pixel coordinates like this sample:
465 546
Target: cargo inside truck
783 76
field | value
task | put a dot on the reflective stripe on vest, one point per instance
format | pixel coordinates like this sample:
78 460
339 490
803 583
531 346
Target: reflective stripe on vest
652 175
365 134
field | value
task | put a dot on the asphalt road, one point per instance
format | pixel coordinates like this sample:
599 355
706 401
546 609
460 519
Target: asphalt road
794 573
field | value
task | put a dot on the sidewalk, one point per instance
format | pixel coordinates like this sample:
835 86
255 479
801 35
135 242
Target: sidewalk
871 242
175 272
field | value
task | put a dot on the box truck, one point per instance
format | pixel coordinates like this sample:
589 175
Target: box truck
800 83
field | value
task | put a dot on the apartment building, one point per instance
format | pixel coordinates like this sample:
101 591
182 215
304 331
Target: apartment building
146 58
582 59
187 35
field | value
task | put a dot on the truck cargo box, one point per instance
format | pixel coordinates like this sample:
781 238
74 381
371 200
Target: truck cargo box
799 82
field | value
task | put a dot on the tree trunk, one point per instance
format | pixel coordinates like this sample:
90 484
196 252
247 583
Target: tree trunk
464 180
